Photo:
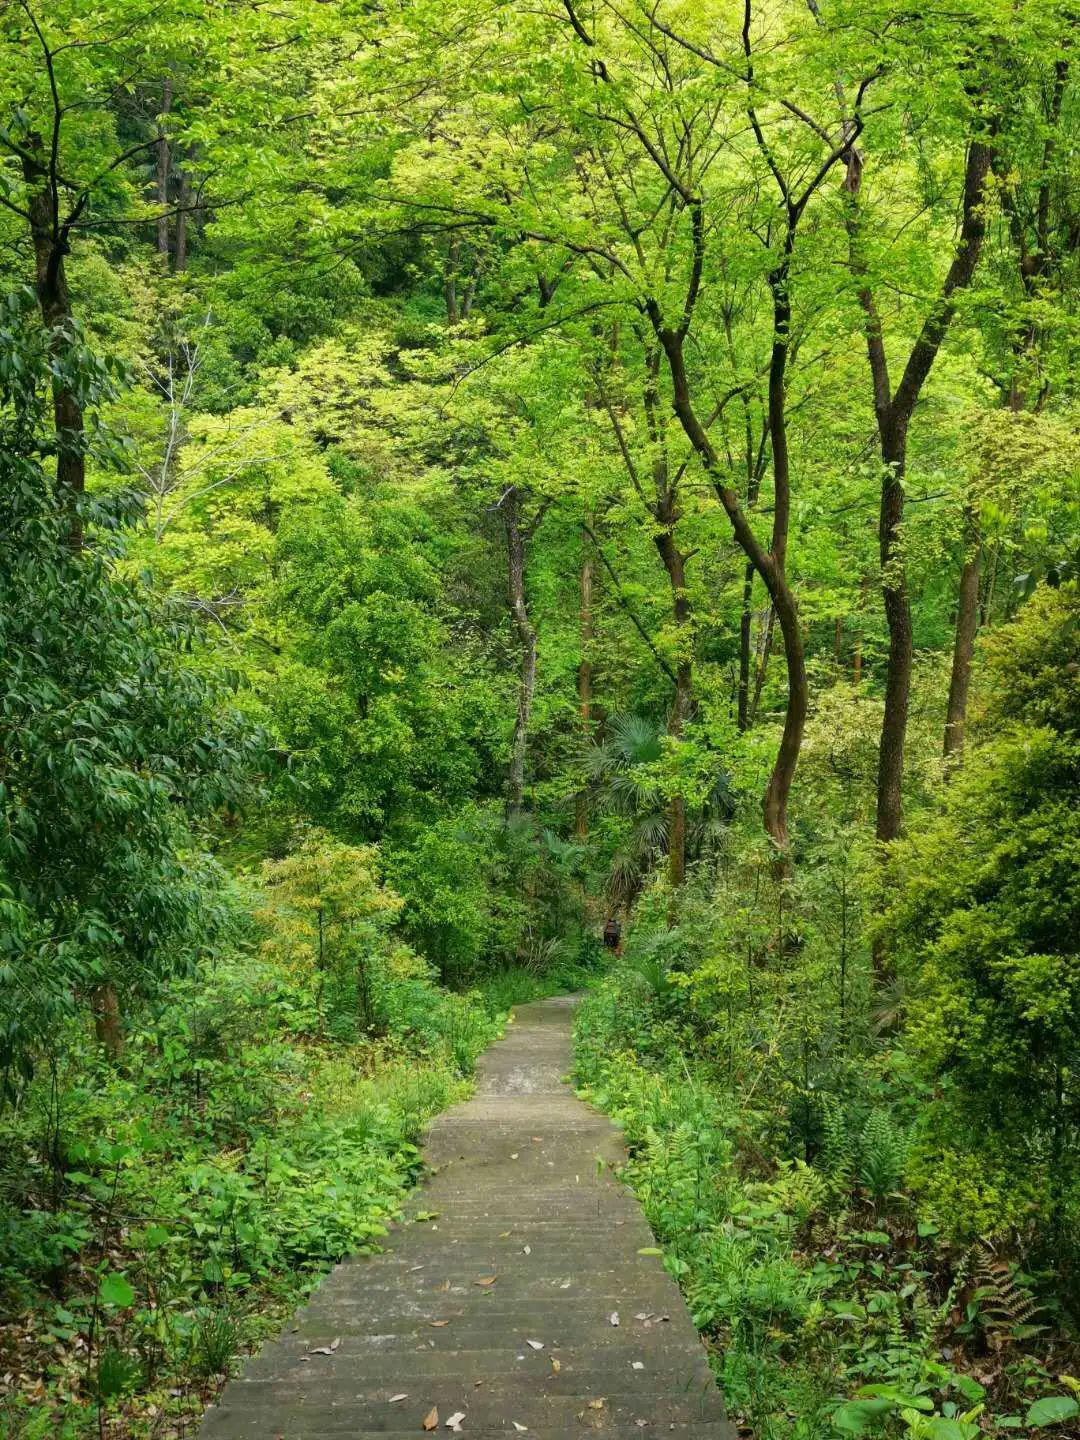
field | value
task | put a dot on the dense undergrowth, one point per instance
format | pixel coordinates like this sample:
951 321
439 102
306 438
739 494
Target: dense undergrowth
830 1299
162 1216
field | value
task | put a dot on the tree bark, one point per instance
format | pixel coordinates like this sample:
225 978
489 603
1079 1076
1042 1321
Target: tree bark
967 624
894 411
108 1027
745 636
164 166
581 816
50 247
897 603
763 662
769 563
517 537
682 704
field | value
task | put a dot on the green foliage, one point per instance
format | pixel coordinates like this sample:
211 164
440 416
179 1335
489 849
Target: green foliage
986 919
112 744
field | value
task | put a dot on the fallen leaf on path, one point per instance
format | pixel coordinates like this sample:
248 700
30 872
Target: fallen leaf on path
526 1249
614 1317
438 1324
326 1349
453 1422
556 1365
504 1235
395 1398
514 1155
431 1419
443 1287
519 1428
650 1250
535 1344
596 1404
486 1280
643 1315
637 1364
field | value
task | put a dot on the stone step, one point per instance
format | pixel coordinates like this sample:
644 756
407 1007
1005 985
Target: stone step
345 1410
584 1231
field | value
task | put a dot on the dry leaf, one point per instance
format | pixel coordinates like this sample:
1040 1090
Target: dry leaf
556 1365
596 1404
519 1428
486 1280
438 1324
614 1317
453 1422
637 1364
514 1155
326 1349
443 1287
395 1398
431 1419
535 1344
526 1249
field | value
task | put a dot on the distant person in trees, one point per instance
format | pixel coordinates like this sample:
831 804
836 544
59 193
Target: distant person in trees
613 936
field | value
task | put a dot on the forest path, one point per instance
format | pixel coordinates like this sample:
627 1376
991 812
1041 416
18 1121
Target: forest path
522 1303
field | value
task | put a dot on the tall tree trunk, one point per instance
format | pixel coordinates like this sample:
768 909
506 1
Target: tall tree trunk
967 624
682 704
745 637
763 661
857 651
164 166
108 1027
516 544
898 619
894 410
581 817
50 248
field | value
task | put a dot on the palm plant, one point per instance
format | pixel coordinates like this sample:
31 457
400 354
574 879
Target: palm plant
621 766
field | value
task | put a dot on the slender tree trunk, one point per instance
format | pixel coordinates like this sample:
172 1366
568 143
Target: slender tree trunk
516 538
55 302
763 661
779 786
108 1027
745 637
857 651
967 624
682 705
164 165
894 410
898 619
581 818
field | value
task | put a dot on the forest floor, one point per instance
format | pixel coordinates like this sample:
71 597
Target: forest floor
525 1292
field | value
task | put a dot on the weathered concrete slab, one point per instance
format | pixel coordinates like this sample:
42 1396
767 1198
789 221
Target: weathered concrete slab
522 1300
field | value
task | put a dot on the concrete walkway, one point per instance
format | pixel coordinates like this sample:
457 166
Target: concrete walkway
518 1299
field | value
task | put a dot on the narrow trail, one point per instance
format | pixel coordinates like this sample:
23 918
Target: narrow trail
523 1304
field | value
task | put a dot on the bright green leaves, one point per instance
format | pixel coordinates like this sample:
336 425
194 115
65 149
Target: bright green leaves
115 1290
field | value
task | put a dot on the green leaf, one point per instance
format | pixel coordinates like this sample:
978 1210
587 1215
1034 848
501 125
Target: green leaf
857 1416
1052 1410
897 1396
115 1290
650 1250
